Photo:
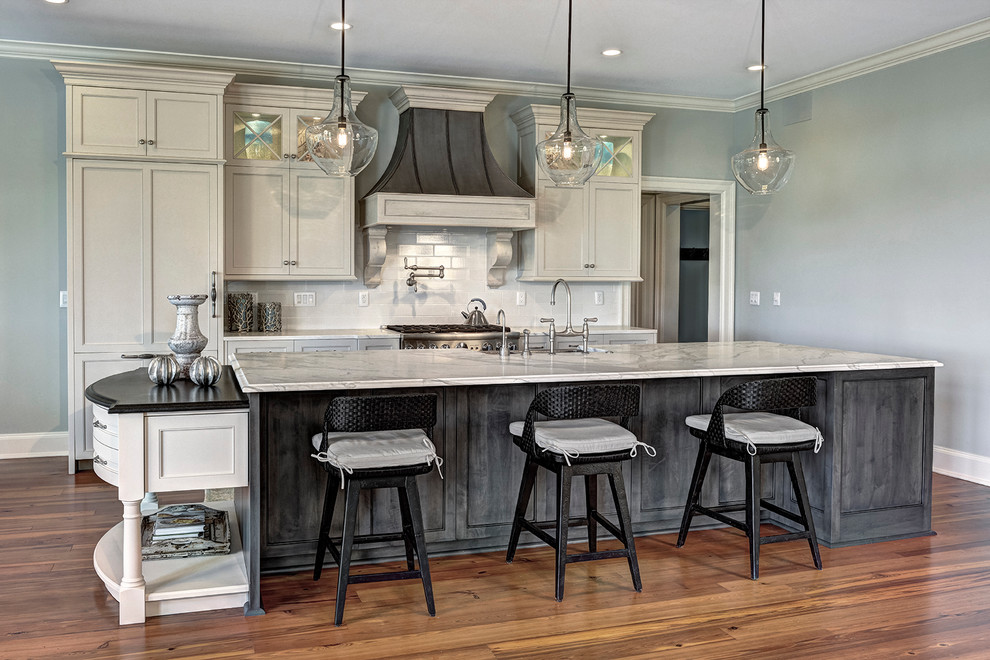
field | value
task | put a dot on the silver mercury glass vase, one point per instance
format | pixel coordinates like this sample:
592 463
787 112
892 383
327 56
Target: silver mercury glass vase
188 341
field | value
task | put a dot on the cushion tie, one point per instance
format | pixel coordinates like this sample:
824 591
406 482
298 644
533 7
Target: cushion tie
324 457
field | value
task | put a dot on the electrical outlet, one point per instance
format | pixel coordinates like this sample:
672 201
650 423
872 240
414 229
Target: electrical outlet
63 298
520 297
599 297
362 298
304 299
776 298
754 297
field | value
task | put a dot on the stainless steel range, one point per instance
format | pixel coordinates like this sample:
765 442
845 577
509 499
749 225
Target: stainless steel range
454 335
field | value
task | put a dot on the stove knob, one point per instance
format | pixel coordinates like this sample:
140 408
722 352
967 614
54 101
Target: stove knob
513 347
461 344
410 346
433 345
486 347
445 346
420 345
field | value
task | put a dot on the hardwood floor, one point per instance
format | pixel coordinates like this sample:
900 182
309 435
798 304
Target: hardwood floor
926 597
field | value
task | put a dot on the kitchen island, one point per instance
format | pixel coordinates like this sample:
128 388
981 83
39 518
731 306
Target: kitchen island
871 482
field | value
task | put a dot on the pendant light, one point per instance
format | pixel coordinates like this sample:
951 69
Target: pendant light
341 144
764 167
569 156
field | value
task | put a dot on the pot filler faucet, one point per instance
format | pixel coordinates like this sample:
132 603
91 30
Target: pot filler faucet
568 330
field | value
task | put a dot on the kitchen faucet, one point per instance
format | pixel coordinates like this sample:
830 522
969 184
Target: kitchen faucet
568 330
503 350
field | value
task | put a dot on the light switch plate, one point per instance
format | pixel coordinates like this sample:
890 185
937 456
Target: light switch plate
754 297
520 298
63 298
776 298
304 299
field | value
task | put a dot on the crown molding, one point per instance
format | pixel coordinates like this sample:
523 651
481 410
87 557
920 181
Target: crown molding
324 74
922 48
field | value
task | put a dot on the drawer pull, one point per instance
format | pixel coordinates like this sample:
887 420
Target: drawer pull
97 424
100 461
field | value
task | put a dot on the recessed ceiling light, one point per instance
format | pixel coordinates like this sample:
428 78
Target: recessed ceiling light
57 2
756 67
611 52
340 26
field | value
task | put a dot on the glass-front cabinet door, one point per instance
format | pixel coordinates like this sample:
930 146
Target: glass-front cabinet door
269 137
619 156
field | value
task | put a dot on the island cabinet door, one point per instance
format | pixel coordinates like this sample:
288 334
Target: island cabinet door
489 464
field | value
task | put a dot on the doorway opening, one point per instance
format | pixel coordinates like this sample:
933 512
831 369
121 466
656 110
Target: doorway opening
687 260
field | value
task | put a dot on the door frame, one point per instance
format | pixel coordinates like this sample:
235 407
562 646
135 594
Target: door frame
721 248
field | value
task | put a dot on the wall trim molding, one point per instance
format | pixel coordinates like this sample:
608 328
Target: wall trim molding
722 246
33 445
962 465
323 74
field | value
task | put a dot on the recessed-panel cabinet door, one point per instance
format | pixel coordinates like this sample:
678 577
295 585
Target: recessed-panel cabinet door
321 235
615 229
108 121
562 235
257 228
182 125
183 230
109 256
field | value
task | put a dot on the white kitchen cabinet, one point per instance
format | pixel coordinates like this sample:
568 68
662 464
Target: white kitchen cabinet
378 343
590 232
282 224
317 345
284 218
134 122
641 337
142 219
236 346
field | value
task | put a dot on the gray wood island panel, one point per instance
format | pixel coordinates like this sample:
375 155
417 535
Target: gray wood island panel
871 481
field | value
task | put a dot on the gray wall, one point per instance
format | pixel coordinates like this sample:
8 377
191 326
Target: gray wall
32 248
879 242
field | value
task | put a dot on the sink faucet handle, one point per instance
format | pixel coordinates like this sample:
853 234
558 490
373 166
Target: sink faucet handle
593 319
546 320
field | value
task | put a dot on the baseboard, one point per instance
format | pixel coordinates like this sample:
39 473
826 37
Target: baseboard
962 465
31 445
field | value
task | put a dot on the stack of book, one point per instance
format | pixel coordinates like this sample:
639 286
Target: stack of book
184 530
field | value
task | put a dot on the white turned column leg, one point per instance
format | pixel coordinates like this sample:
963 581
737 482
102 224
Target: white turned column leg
132 583
149 504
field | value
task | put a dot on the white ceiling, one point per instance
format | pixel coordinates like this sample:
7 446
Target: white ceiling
693 48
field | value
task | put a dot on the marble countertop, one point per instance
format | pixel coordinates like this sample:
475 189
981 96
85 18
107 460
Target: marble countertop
362 333
285 372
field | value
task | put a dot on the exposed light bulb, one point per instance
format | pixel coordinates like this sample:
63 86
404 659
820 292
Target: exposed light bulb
342 134
568 150
763 161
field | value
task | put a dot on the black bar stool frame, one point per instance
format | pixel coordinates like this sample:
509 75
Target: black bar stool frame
776 394
369 414
577 402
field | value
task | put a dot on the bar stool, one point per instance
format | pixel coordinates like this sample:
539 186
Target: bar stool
376 442
574 442
755 438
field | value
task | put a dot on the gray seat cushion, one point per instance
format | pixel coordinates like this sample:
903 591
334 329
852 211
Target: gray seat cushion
378 449
573 437
761 428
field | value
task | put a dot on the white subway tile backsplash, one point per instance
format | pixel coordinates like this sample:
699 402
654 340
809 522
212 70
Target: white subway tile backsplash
463 255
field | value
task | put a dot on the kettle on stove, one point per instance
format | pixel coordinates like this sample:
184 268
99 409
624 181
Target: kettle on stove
476 317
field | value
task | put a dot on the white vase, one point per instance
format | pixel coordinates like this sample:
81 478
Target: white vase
188 341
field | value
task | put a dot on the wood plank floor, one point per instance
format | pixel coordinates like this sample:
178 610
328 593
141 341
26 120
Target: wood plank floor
926 597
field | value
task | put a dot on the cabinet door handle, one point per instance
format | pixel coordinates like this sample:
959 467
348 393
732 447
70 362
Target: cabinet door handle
592 265
292 263
293 156
213 295
285 156
142 142
97 424
99 461
586 266
285 263
150 142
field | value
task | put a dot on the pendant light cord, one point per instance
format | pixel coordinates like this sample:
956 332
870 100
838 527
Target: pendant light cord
763 69
570 11
343 31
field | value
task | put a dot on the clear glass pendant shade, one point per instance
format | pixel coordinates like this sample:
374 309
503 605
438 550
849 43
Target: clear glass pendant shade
569 156
341 144
764 167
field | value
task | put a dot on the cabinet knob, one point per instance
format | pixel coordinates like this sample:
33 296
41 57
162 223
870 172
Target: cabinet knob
142 142
285 156
285 263
586 265
292 263
592 265
293 156
150 142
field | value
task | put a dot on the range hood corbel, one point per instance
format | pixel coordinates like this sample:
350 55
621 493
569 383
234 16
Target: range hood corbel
443 175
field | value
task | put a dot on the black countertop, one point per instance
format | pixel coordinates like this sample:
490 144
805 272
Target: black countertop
133 391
